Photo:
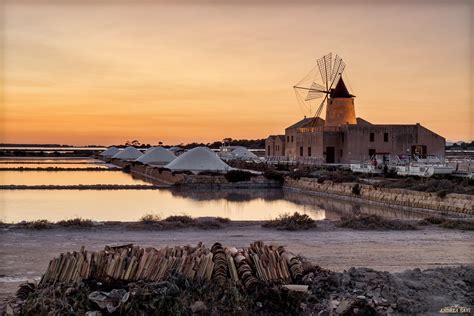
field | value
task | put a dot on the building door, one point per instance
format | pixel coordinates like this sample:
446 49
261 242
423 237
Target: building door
371 153
330 155
419 150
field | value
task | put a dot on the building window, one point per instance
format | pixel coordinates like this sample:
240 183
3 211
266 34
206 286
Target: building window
342 138
385 137
340 153
287 139
268 150
291 138
372 137
301 151
278 147
309 151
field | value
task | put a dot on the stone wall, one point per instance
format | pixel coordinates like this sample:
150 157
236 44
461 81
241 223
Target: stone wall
452 204
160 176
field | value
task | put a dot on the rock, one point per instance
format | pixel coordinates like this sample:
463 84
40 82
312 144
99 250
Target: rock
344 306
346 279
93 313
415 285
198 307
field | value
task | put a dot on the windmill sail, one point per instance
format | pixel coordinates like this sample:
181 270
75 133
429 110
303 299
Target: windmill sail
337 69
325 68
316 91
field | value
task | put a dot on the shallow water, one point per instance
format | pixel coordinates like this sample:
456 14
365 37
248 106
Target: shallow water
130 205
53 165
66 177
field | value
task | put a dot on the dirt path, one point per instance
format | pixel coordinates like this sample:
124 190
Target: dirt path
26 253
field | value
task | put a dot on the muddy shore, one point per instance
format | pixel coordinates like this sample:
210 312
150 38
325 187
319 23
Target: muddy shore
25 253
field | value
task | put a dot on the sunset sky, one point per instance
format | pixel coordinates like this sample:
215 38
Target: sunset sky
85 72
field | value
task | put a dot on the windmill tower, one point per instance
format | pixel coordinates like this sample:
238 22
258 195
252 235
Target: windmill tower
325 81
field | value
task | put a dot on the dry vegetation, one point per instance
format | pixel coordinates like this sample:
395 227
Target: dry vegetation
441 185
448 223
373 222
76 222
152 221
296 221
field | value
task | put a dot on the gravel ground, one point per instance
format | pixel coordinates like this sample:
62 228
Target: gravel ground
25 253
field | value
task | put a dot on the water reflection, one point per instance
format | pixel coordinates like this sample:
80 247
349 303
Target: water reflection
66 178
54 165
130 205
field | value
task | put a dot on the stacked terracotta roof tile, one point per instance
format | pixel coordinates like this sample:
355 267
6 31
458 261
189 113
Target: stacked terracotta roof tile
245 266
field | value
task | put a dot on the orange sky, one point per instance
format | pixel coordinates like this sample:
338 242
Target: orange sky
201 71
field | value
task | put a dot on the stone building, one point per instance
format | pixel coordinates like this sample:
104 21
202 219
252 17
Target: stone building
343 138
275 146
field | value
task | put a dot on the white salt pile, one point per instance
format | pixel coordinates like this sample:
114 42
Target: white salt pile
109 152
243 153
129 153
198 159
156 156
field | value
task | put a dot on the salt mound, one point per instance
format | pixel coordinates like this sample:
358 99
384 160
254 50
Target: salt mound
156 156
243 153
198 159
109 152
129 153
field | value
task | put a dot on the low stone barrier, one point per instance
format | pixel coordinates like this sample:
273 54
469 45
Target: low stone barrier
455 204
160 175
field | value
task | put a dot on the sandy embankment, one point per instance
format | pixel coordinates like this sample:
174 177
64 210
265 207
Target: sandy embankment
25 253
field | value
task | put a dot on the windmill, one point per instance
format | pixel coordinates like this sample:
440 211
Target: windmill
319 83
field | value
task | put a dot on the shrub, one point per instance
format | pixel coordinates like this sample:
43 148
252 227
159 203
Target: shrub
296 221
150 219
442 194
432 220
38 224
458 224
76 222
373 222
321 180
356 189
223 220
185 219
238 176
274 175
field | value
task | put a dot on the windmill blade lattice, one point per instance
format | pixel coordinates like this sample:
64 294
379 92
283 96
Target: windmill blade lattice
319 82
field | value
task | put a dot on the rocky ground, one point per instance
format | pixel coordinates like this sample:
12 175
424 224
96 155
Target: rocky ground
357 291
25 253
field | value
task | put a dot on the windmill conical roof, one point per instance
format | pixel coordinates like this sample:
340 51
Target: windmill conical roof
109 152
198 159
243 153
129 153
156 156
340 91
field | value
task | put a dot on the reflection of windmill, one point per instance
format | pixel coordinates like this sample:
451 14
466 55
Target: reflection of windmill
324 81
